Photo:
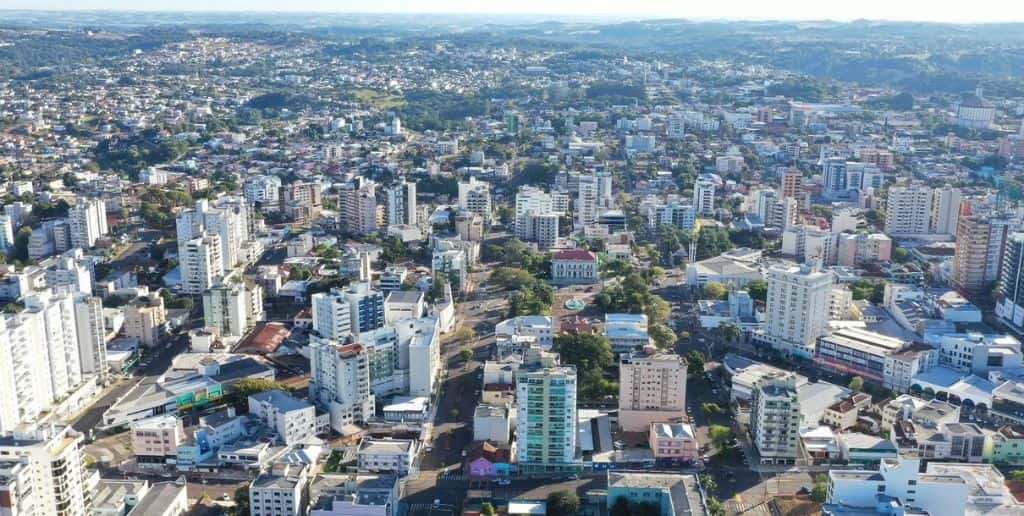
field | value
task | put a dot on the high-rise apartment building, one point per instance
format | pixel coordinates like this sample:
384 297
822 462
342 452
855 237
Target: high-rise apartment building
340 381
60 339
332 316
919 210
475 196
145 318
264 190
357 206
945 210
88 221
797 309
54 480
775 420
652 389
25 388
200 263
535 218
704 197
908 211
233 306
546 413
792 185
92 346
366 306
229 218
980 241
587 207
402 204
1010 306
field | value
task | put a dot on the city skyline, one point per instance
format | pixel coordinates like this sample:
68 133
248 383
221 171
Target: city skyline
944 11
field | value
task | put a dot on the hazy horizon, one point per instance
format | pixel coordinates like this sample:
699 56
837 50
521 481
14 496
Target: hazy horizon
942 11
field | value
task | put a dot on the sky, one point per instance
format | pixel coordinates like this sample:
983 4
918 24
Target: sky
843 10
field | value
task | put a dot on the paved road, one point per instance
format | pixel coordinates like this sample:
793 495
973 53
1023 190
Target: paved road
453 431
159 363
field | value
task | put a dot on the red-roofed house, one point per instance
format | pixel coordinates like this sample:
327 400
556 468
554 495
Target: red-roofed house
574 267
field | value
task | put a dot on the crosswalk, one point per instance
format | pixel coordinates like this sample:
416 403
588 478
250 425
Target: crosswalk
453 476
430 509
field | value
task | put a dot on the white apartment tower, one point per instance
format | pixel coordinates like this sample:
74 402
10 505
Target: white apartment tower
92 346
919 210
797 308
402 204
587 200
340 381
475 196
60 339
945 210
88 222
200 263
775 420
233 306
908 211
56 482
704 197
25 387
332 316
229 218
536 220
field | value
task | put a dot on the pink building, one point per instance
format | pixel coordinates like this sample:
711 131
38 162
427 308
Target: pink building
674 441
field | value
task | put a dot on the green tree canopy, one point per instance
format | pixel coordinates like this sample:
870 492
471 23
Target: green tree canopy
715 290
562 503
591 354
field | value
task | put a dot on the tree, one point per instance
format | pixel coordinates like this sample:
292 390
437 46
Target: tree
241 501
721 436
715 507
708 483
563 503
248 386
715 290
820 490
1017 475
663 336
710 408
466 354
695 363
464 334
728 331
591 354
758 289
486 509
856 383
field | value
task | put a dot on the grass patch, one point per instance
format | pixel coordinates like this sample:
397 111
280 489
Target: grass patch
378 99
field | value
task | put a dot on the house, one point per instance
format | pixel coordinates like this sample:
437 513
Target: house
673 441
574 267
843 414
489 461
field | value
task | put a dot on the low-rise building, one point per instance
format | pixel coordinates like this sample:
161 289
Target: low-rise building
626 332
292 419
574 267
155 440
491 423
279 491
386 455
673 441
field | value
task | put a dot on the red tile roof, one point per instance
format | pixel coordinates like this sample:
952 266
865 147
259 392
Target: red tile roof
576 254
